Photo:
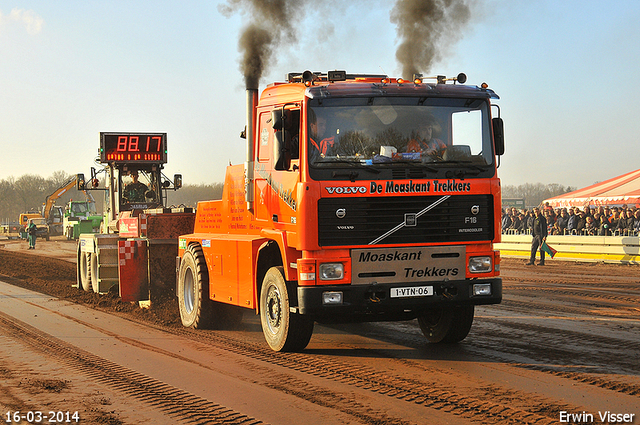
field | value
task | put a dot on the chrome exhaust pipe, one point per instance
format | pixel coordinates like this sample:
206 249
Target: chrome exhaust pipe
252 104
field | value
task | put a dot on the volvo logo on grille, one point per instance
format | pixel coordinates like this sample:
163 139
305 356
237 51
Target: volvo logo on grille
475 209
410 220
341 213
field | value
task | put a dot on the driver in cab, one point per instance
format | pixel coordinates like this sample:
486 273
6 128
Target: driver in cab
423 139
319 146
135 191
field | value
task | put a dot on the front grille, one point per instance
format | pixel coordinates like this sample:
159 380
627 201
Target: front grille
368 218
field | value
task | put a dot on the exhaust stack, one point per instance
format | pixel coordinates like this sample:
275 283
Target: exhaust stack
252 103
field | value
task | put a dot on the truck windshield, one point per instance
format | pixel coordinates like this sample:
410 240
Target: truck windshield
383 132
79 208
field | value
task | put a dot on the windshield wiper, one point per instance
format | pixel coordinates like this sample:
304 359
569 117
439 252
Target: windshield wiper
415 164
358 165
352 175
477 169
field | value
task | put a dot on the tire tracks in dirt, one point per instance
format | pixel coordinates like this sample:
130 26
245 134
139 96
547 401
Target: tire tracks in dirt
177 403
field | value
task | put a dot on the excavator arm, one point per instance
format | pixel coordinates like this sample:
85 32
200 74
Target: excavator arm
51 199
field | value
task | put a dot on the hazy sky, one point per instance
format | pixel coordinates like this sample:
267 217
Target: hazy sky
565 72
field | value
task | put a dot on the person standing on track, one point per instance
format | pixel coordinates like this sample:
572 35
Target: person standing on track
539 232
32 234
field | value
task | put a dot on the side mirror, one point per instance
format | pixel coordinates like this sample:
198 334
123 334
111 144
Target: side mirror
177 181
281 151
280 118
94 179
280 121
80 183
498 135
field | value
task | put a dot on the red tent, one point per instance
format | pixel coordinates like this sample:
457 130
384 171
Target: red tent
624 189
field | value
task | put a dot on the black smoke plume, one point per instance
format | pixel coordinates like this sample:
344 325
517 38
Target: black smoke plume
271 24
426 28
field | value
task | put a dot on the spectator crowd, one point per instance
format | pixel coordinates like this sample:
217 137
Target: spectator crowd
587 221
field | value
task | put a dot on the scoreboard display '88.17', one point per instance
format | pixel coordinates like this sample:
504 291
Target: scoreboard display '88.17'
133 147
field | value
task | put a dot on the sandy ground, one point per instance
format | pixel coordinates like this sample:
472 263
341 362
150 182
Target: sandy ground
31 380
563 340
57 247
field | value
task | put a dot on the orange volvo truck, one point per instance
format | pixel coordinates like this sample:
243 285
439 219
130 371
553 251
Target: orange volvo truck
363 198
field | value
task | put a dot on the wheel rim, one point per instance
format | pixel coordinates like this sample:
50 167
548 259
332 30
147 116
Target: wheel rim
274 309
189 291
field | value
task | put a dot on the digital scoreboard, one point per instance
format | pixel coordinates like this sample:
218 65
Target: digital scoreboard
133 147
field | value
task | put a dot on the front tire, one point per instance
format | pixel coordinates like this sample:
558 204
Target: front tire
193 289
447 325
283 330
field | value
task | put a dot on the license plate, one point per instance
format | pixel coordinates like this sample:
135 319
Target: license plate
412 291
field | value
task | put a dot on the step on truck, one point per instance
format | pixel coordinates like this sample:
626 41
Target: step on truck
362 198
134 252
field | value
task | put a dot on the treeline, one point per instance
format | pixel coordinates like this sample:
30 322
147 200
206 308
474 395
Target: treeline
190 194
29 192
535 193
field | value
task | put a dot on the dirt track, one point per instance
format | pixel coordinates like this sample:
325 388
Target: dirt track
565 339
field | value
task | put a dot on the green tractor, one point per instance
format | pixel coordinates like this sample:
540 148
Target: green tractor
81 217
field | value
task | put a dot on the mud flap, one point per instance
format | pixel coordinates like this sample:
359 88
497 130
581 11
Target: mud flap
133 269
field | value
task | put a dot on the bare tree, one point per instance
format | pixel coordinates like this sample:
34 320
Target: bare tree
30 192
190 195
535 193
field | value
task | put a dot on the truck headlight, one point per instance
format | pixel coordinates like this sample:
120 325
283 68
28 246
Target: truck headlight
480 289
332 298
480 264
331 271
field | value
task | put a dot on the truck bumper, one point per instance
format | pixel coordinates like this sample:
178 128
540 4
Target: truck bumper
375 303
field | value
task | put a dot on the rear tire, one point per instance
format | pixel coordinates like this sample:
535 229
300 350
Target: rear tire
193 289
85 271
283 330
95 286
447 325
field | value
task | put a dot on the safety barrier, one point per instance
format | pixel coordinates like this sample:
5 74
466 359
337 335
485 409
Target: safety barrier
607 249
